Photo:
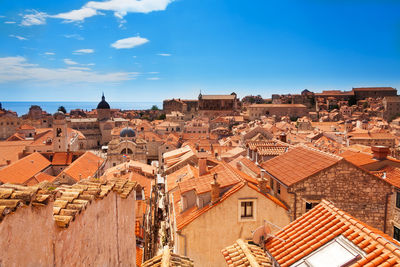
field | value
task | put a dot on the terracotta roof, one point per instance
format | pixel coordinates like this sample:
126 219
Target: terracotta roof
42 176
226 177
324 223
189 215
139 231
62 158
390 174
250 165
22 170
83 167
26 127
277 106
358 158
298 164
242 253
271 150
167 259
139 256
182 174
75 199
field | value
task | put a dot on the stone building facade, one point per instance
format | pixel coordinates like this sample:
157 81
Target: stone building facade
255 111
351 188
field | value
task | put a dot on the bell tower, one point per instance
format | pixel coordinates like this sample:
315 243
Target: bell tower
60 133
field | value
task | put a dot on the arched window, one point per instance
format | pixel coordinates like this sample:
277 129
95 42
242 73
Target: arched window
126 151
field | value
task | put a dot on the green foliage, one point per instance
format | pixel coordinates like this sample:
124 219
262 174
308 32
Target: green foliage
154 107
62 109
162 117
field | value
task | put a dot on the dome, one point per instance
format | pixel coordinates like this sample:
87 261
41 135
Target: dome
103 104
127 132
59 115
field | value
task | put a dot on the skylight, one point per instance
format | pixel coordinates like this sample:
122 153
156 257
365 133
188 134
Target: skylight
337 253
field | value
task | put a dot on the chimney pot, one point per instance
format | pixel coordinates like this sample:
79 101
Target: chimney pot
262 185
380 152
215 190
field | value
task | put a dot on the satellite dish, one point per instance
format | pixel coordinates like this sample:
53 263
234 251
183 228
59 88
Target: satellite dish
261 234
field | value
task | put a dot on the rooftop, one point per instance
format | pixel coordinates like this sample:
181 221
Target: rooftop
298 164
325 223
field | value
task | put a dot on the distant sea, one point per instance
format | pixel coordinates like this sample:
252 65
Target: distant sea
51 107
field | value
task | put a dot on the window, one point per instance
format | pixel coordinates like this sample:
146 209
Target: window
271 183
310 205
398 200
396 233
246 210
278 188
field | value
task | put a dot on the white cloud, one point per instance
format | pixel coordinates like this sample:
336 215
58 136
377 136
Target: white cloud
49 53
36 18
153 78
14 69
77 15
129 42
83 51
18 37
78 68
122 7
93 8
153 72
164 55
74 36
9 22
70 62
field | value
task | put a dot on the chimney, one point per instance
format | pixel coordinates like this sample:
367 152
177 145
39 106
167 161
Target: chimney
380 152
282 137
202 163
214 189
262 185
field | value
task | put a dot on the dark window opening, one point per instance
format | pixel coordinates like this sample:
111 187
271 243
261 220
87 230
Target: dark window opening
246 209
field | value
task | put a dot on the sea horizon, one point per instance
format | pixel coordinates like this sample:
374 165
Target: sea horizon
22 107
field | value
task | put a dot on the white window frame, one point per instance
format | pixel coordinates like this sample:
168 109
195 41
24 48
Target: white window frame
249 219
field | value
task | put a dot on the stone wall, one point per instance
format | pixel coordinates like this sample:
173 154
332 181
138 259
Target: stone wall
350 188
102 235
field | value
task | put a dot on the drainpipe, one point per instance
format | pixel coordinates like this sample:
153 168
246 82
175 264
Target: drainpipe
386 210
184 241
295 204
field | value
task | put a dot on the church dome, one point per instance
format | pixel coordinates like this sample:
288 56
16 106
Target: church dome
59 115
103 104
127 132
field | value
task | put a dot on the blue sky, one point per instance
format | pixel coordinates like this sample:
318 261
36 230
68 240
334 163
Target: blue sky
150 50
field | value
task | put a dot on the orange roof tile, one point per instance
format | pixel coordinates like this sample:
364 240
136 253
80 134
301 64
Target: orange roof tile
22 170
242 253
62 158
298 164
83 167
321 225
358 158
390 174
42 176
26 127
139 256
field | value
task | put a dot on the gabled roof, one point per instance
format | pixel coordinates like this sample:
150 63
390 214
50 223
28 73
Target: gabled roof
390 174
298 164
22 170
83 167
321 225
242 253
62 158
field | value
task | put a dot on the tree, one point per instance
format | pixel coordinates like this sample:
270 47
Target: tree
62 109
154 107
